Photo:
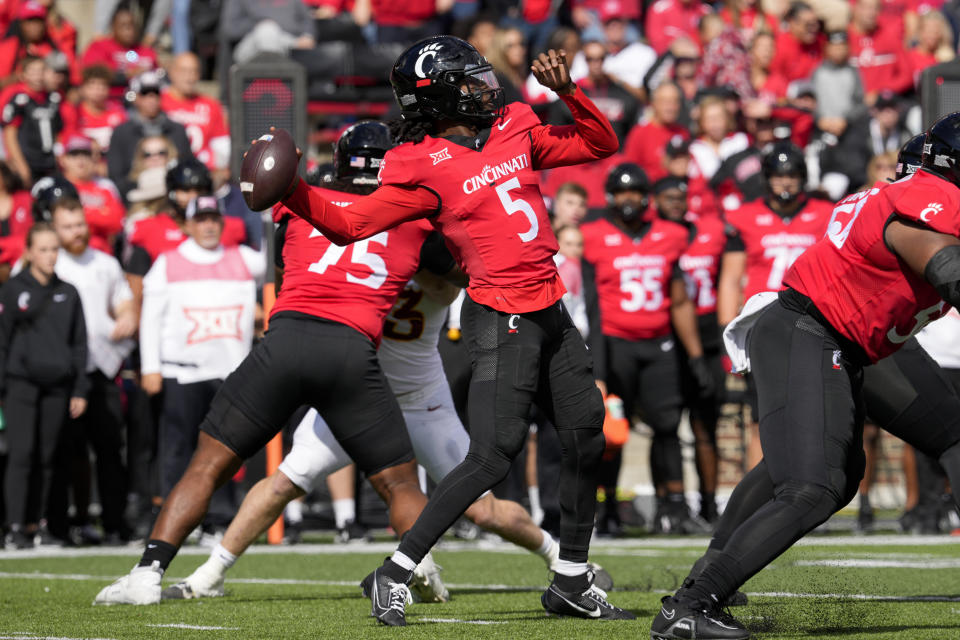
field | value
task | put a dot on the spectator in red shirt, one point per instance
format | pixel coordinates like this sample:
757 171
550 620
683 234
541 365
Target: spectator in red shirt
747 17
97 115
767 86
800 47
200 115
410 20
933 44
877 51
648 140
101 201
29 38
15 219
121 52
668 20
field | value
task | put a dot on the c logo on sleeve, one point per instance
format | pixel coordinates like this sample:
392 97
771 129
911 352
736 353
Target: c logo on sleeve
932 209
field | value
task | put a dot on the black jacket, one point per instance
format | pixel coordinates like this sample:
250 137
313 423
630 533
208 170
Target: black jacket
124 141
43 337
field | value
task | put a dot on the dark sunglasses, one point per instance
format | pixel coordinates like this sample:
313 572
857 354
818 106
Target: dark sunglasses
150 91
153 154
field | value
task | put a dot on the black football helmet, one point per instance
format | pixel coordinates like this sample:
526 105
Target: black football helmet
784 159
189 174
359 152
941 149
446 77
627 177
48 190
320 175
910 156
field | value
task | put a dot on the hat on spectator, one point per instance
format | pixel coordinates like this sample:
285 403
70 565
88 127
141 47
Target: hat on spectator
677 146
838 37
203 205
78 144
801 89
57 60
145 82
670 182
151 184
611 10
886 100
32 10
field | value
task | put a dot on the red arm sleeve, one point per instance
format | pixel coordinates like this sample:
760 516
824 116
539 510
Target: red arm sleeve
590 137
383 209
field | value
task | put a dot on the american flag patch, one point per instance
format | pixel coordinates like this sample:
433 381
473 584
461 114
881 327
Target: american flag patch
358 162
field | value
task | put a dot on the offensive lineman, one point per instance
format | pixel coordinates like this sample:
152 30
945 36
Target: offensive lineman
468 165
887 266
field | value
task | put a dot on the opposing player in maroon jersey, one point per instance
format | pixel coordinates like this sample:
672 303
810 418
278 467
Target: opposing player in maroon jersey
636 299
889 264
468 165
320 351
766 236
700 264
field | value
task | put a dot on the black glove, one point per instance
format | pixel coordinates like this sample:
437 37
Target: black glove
704 377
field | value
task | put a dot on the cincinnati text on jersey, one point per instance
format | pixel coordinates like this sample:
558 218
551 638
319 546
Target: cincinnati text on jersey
489 175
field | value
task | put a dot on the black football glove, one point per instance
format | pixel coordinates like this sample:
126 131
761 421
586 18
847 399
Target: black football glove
704 377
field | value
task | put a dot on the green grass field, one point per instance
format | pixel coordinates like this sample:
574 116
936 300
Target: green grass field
830 587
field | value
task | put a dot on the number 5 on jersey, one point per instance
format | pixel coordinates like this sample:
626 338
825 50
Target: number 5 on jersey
361 254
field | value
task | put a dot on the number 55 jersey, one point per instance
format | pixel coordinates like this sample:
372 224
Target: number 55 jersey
859 285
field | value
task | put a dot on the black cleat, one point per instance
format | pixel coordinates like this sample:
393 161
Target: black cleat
736 599
688 619
389 599
367 584
591 603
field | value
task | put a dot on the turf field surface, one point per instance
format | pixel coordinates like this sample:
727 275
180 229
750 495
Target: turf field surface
874 587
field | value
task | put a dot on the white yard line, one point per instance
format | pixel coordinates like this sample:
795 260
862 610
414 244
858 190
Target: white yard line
196 627
881 563
456 621
30 636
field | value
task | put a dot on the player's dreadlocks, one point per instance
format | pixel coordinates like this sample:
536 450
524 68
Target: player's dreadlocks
410 129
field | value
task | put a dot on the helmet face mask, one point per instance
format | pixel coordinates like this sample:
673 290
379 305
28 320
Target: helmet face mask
784 159
630 179
444 77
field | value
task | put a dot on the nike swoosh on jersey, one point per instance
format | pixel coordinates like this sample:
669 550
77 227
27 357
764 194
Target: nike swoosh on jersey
593 613
504 123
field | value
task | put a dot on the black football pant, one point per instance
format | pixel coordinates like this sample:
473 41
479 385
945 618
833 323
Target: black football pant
38 459
519 360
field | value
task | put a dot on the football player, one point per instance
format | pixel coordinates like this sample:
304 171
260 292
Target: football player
700 263
411 363
637 299
320 351
468 164
766 236
889 265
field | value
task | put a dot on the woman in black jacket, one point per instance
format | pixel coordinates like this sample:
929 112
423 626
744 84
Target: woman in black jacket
43 357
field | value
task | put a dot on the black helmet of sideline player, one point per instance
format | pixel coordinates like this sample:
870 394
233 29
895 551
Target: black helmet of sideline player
446 77
631 179
941 148
784 159
48 190
320 175
910 156
189 175
359 152
670 197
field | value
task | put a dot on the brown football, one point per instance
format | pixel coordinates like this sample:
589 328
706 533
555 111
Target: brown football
269 169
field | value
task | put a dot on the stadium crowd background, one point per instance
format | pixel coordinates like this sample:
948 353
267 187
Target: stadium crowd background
124 114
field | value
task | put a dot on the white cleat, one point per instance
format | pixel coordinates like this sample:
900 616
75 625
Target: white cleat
140 586
427 585
200 584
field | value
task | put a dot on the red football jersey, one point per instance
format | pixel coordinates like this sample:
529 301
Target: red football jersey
772 243
157 234
355 285
203 119
857 283
13 238
99 126
103 209
700 263
633 276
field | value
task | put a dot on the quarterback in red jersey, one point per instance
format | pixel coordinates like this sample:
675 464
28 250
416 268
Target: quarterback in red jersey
468 164
889 264
320 351
638 306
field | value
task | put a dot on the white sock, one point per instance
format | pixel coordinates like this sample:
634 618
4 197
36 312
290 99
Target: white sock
549 550
344 510
293 512
567 568
536 510
220 559
403 560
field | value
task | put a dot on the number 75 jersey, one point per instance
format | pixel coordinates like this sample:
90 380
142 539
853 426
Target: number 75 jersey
355 285
860 286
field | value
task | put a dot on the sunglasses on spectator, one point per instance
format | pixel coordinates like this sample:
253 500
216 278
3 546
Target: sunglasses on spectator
80 152
153 153
150 91
596 58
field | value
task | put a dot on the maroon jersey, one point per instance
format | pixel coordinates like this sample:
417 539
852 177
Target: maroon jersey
633 276
355 285
772 243
485 201
700 263
857 283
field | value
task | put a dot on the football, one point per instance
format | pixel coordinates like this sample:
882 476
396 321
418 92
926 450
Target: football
269 169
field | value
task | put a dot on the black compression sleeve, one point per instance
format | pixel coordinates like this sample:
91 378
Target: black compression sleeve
943 272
